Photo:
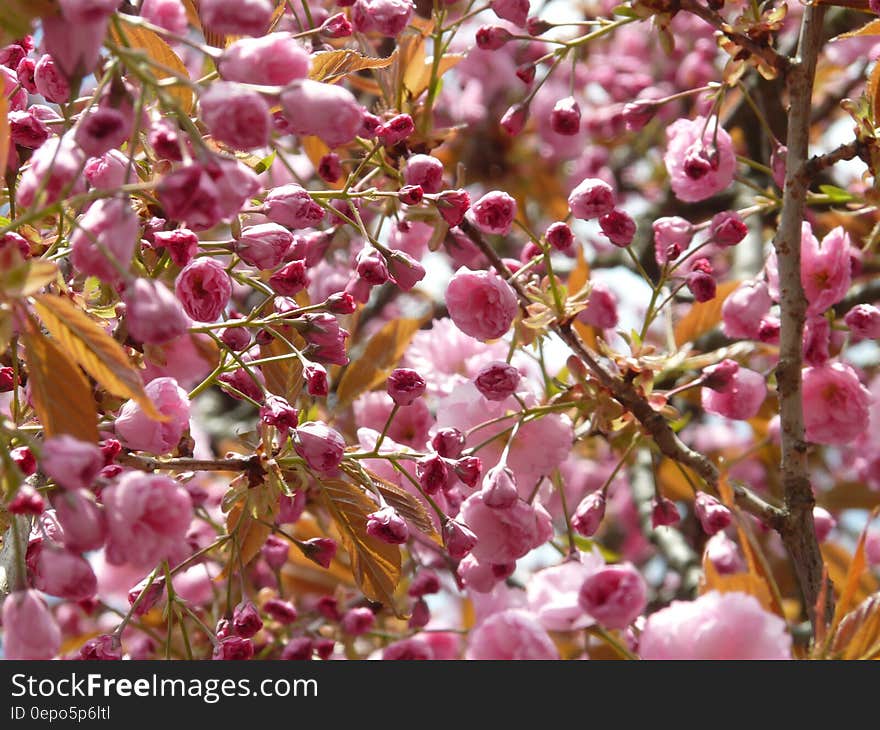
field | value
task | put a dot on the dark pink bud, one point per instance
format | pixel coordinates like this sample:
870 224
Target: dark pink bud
24 71
101 648
236 338
246 621
404 270
614 595
425 583
432 473
453 204
863 321
24 459
27 500
290 279
358 621
371 266
341 303
702 285
298 649
102 129
265 244
663 512
727 228
592 198
589 514
526 73
425 172
328 607
396 130
559 236
284 612
494 212
497 380
274 551
638 113
290 508
12 239
321 550
151 597
277 412
713 515
619 227
499 488
768 330
721 375
233 648
823 523
448 442
241 383
492 37
420 616
536 26
26 130
182 244
469 469
324 648
8 381
316 380
514 119
320 446
405 385
388 526
336 26
330 168
204 288
291 206
565 118
369 125
411 194
458 538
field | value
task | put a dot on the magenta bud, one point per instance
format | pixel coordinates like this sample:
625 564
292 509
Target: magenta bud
405 385
499 488
388 526
448 442
589 514
432 473
458 538
246 621
713 515
663 512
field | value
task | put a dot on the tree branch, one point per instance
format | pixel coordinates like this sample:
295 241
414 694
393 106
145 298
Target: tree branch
797 526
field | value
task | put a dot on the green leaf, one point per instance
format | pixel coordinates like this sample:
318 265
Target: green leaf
836 194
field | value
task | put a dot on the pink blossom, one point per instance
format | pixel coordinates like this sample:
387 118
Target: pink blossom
83 521
601 309
494 212
481 303
835 404
553 592
424 171
388 17
167 14
744 308
291 206
863 321
63 573
511 635
328 111
275 59
504 535
741 399
497 381
516 11
72 463
235 116
727 626
104 240
405 385
825 268
140 432
264 245
724 554
236 17
204 289
147 517
29 630
320 446
55 169
614 595
591 198
699 158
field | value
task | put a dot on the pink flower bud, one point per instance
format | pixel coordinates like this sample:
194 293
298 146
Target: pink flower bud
453 204
481 303
277 412
324 648
494 212
165 139
396 129
316 380
328 111
264 245
83 521
290 509
369 125
741 399
816 339
298 649
26 130
713 515
448 442
663 512
182 245
589 514
724 554
425 583
330 168
24 459
341 303
101 648
497 381
72 463
699 157
388 526
204 289
720 376
405 385
167 14
336 26
516 11
514 119
320 446
29 630
103 128
291 206
672 235
104 240
424 171
727 228
27 501
492 37
387 17
140 432
65 574
56 169
321 550
189 194
526 73
823 523
702 285
469 469
50 81
275 551
458 538
614 595
601 309
559 236
236 17
290 279
236 338
246 621
8 381
14 240
744 309
638 113
863 321
75 54
275 59
148 516
619 227
358 621
420 616
411 194
107 171
233 648
432 473
235 116
594 198
565 118
283 612
499 488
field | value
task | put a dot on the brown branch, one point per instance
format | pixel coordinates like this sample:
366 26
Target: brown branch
818 163
769 55
797 527
151 463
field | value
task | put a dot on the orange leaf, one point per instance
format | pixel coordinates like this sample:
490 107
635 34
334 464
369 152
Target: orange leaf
848 595
283 377
859 632
736 583
60 393
703 316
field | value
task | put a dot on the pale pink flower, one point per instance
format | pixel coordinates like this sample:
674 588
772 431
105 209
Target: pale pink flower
825 268
509 635
728 626
503 535
741 399
835 404
29 630
553 593
481 303
699 158
140 432
275 59
614 595
744 308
